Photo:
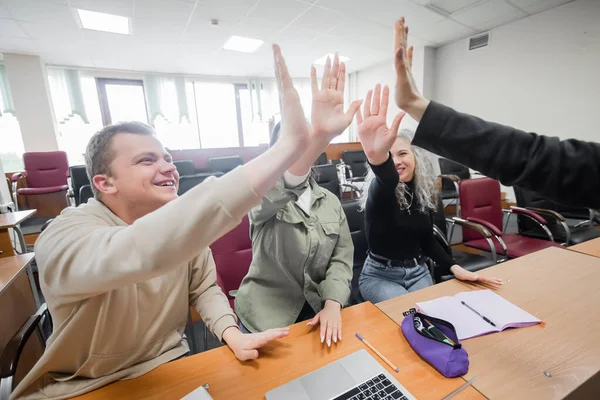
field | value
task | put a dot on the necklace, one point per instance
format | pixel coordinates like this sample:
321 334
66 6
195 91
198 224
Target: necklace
411 200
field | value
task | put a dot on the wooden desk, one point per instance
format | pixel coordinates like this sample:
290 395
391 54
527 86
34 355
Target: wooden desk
290 358
16 305
591 247
561 288
11 267
10 220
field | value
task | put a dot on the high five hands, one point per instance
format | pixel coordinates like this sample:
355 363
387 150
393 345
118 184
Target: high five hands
328 118
407 96
375 136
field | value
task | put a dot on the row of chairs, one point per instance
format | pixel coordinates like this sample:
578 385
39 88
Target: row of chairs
49 172
558 219
480 204
555 224
338 176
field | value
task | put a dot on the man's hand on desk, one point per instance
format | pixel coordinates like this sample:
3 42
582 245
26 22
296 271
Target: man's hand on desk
245 346
330 318
462 274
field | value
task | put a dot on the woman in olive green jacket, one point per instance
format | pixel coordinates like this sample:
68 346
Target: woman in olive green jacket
301 244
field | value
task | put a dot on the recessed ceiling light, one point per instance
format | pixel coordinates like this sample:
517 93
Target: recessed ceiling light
323 60
104 22
243 44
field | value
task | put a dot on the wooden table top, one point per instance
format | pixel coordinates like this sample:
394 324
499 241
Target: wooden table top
11 266
298 354
10 220
558 286
591 247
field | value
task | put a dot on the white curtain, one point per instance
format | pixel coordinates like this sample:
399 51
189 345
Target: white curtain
169 111
11 141
65 86
264 99
265 102
6 101
166 97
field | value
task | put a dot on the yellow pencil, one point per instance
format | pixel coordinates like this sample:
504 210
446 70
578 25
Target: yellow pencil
369 345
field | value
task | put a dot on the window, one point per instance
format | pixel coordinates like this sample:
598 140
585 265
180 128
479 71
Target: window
171 111
122 100
78 116
11 141
255 131
218 114
12 150
185 114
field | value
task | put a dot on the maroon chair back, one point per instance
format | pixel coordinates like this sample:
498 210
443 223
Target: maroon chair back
233 255
480 198
46 169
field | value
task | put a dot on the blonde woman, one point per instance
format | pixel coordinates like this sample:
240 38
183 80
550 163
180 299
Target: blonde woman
399 200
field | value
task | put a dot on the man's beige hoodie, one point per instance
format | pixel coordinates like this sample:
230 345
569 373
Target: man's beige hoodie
119 294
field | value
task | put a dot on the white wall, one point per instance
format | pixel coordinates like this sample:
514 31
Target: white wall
539 74
28 82
384 73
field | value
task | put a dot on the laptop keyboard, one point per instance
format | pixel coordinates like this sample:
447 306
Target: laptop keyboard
377 388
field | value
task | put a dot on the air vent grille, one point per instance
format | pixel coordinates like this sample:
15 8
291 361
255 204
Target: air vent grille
479 41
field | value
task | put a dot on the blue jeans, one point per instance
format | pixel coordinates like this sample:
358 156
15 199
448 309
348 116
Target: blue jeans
243 329
380 282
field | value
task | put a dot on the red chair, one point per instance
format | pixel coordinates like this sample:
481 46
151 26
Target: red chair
480 203
233 255
45 173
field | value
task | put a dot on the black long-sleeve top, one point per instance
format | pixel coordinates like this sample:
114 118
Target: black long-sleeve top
399 234
567 171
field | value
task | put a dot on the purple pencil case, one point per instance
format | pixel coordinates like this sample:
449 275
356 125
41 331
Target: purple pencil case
450 359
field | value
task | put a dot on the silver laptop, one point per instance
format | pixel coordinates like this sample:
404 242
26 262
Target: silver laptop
358 376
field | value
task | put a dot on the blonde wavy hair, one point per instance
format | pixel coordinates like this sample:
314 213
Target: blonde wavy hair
424 179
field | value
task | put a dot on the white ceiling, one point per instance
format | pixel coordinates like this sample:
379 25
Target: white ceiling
176 36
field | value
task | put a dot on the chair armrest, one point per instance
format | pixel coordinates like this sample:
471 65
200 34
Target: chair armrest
486 231
18 175
46 224
549 213
529 213
453 178
541 221
352 187
493 228
440 235
561 220
12 352
481 229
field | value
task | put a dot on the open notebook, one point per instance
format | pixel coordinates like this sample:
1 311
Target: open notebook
467 323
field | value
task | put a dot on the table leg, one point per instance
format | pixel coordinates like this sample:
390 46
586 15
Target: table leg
34 288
